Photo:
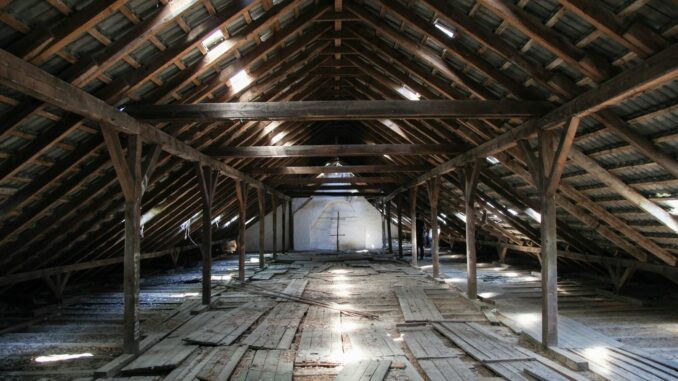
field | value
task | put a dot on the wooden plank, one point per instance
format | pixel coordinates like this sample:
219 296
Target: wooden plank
416 305
296 287
274 365
278 329
446 369
320 341
222 364
425 344
225 327
340 110
367 370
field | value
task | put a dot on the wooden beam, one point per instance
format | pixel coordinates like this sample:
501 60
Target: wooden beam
337 169
241 194
274 216
471 175
262 217
335 150
340 110
400 226
336 180
207 185
413 224
657 70
291 225
389 235
434 194
132 252
24 77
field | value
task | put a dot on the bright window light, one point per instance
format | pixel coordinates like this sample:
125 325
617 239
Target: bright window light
449 31
214 38
278 137
533 214
62 357
409 94
673 204
461 216
513 212
241 80
492 160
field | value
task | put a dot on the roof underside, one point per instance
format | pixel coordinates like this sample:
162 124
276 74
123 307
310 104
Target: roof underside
61 200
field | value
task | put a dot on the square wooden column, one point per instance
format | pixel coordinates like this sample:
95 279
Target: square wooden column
128 170
389 235
241 193
471 174
207 184
413 224
434 192
262 229
284 222
291 227
400 226
274 201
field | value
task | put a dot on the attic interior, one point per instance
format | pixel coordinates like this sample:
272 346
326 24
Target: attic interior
401 190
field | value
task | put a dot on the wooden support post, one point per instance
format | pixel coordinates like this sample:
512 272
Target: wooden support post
471 174
291 227
262 231
389 235
502 249
434 192
284 222
128 170
207 184
400 226
241 193
274 201
383 226
57 285
413 224
550 169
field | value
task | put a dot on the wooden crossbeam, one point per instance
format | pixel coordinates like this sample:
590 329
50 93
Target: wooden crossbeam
28 79
341 110
338 150
338 169
337 180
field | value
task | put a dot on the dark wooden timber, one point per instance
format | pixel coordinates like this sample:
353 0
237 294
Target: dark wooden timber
413 224
338 169
342 180
207 185
262 216
434 195
274 216
241 194
336 150
291 225
471 175
128 170
340 110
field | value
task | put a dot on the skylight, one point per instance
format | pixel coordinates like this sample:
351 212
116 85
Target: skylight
278 137
241 80
533 214
62 357
449 31
214 38
409 94
492 160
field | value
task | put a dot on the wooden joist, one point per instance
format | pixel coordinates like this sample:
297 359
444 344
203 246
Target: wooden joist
340 110
338 180
291 170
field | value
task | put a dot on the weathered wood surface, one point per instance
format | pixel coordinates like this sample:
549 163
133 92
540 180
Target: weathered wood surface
425 344
221 365
341 110
296 287
320 337
275 365
505 358
446 369
374 342
224 327
278 329
416 305
368 370
619 364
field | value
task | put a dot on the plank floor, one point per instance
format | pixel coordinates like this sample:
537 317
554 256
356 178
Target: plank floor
425 330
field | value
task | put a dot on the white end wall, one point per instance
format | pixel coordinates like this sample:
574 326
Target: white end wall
315 223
